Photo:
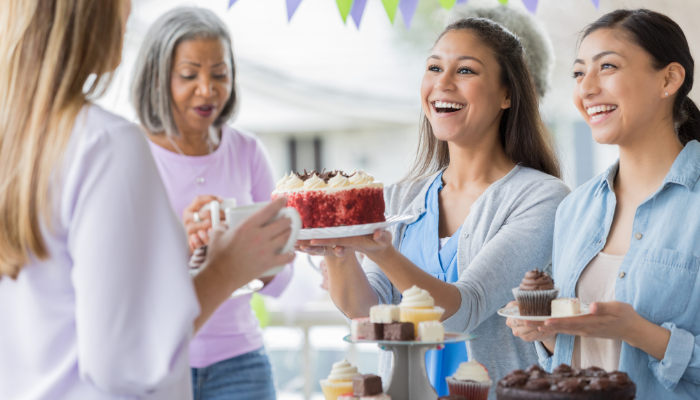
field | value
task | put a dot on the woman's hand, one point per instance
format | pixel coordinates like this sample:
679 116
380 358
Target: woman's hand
608 320
198 232
527 330
374 246
324 272
246 252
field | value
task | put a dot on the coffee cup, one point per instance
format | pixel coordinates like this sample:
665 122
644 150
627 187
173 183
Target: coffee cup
234 217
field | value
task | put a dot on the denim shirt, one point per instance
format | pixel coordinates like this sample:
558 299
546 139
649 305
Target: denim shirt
658 276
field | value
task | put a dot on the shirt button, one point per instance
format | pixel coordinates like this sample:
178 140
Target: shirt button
622 275
637 235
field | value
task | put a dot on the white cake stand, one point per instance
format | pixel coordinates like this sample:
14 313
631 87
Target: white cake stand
409 378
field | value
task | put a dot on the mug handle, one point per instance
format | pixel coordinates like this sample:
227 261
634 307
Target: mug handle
292 214
214 206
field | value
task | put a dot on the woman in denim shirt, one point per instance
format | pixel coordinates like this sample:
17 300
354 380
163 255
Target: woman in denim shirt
631 236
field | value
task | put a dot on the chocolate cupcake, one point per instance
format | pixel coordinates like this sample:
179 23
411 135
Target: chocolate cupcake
535 294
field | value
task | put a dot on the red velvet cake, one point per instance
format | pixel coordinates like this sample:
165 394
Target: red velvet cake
329 199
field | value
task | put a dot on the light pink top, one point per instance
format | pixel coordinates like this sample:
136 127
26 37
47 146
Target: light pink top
238 168
597 283
110 313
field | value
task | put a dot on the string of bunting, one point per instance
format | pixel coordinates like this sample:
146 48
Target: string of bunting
355 8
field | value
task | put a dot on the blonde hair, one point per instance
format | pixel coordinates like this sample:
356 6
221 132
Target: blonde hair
48 51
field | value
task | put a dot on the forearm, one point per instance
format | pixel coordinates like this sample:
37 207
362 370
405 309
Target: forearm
212 289
349 287
403 274
649 337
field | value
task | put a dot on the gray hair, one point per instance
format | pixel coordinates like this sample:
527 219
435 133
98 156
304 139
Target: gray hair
539 51
150 88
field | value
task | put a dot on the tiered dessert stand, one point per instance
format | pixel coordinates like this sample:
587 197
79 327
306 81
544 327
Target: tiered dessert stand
409 378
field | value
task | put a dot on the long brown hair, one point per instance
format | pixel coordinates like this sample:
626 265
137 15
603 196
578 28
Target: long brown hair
665 42
525 139
49 50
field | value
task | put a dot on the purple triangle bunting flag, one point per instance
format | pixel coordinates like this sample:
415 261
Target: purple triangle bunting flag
230 3
358 8
408 9
596 3
531 5
461 2
292 6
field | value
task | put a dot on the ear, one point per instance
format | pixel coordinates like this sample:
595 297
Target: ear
673 78
506 100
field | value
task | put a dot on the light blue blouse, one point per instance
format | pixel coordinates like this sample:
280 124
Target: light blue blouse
658 276
421 245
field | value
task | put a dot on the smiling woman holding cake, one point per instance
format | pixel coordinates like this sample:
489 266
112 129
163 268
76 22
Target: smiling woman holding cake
483 193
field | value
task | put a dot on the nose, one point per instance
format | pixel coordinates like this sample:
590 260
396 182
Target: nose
589 86
206 87
445 82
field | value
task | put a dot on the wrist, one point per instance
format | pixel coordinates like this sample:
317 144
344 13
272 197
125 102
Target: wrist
382 256
638 331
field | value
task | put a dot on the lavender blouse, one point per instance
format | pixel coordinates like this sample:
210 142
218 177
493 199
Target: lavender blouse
110 313
238 168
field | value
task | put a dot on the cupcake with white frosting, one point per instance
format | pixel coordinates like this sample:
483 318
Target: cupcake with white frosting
471 380
417 306
339 381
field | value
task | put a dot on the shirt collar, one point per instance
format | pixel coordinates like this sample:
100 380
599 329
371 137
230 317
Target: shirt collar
608 177
685 170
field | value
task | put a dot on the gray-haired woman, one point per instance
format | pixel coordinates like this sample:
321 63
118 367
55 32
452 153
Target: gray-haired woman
183 91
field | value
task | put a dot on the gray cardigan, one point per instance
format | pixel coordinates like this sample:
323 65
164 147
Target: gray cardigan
508 232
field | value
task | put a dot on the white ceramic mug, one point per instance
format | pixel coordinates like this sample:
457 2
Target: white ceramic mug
236 215
227 203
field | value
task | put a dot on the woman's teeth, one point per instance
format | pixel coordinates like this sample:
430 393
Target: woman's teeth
442 106
598 112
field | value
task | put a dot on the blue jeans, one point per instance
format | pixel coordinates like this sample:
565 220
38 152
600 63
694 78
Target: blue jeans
245 377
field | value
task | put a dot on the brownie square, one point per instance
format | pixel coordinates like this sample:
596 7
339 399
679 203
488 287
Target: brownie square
366 385
400 331
372 331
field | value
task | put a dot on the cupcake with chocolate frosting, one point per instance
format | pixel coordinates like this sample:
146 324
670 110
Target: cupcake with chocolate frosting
535 294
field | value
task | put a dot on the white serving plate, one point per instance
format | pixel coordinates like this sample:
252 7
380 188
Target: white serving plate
351 230
514 312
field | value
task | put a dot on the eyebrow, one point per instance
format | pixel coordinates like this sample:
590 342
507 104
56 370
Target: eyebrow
597 56
460 58
200 65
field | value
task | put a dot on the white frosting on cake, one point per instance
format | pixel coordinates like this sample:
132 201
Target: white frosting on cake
339 181
361 178
472 371
358 180
431 331
416 297
293 183
281 182
566 307
384 314
342 371
314 183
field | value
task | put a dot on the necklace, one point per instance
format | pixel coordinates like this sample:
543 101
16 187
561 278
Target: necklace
198 180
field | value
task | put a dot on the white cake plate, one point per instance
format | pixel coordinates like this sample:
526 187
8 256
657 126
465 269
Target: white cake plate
350 230
409 378
514 312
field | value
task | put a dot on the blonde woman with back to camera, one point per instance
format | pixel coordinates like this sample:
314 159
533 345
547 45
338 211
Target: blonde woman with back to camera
96 301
